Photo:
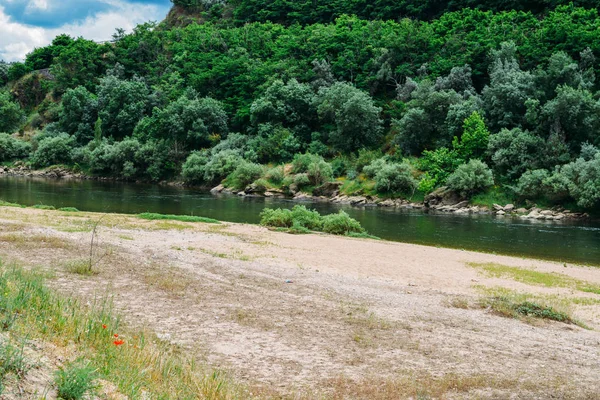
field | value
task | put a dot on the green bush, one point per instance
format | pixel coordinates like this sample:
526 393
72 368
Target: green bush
471 178
53 151
341 224
301 180
245 173
532 184
319 172
309 219
182 218
276 218
275 175
374 166
12 148
302 220
194 167
395 178
75 381
301 162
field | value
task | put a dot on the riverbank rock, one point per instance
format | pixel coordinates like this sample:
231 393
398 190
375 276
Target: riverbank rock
329 189
443 196
217 189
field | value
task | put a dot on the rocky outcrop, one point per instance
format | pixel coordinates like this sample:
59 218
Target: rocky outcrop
329 189
52 172
443 196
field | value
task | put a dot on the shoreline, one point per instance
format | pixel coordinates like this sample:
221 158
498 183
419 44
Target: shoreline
440 200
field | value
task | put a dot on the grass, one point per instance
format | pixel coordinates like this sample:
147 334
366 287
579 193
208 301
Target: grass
527 307
536 278
75 380
171 281
35 241
80 267
43 207
8 204
12 362
68 209
182 218
141 366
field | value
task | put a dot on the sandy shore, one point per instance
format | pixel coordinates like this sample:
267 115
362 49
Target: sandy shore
315 315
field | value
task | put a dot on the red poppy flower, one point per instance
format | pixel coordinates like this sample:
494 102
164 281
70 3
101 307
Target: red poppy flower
116 335
118 342
103 326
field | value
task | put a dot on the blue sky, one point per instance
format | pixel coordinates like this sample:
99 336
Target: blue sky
26 24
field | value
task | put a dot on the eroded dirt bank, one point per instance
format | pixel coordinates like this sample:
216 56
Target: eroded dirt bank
312 316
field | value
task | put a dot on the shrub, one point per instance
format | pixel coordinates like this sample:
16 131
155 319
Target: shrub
470 178
395 178
275 175
194 167
532 184
581 179
371 170
341 224
279 218
220 165
301 162
366 157
301 180
309 219
52 151
12 148
245 173
319 172
75 381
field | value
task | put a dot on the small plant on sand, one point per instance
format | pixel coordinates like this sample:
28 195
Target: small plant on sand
182 218
68 209
75 381
43 207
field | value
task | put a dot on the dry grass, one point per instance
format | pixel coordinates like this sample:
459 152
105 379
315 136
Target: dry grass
36 241
169 280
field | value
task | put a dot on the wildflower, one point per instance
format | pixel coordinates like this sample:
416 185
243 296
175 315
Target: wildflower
116 335
103 326
118 342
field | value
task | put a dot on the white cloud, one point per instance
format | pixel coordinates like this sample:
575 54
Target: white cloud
16 40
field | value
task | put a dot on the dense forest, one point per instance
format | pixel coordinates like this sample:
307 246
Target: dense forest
496 100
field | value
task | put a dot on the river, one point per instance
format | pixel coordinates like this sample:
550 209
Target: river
571 241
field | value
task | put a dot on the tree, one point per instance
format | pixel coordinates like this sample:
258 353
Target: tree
121 105
79 114
515 151
11 114
354 115
474 140
471 178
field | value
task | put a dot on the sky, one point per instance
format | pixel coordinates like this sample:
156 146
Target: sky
27 24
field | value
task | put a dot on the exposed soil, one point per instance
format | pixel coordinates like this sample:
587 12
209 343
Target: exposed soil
311 315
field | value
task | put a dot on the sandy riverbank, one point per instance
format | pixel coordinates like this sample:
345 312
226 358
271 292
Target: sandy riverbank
313 315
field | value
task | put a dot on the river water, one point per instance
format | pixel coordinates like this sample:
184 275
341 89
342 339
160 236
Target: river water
574 242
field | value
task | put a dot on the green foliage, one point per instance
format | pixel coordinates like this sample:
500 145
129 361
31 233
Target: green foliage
394 178
301 219
79 114
75 381
121 105
245 173
68 209
474 141
471 178
532 184
354 114
276 218
580 179
11 115
12 148
53 151
341 224
274 144
182 218
319 172
515 151
275 175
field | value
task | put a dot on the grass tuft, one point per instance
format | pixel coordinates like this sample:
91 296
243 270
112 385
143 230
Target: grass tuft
75 381
536 278
43 207
8 204
68 209
182 218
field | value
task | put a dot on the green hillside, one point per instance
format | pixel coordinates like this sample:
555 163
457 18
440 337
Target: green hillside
393 98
